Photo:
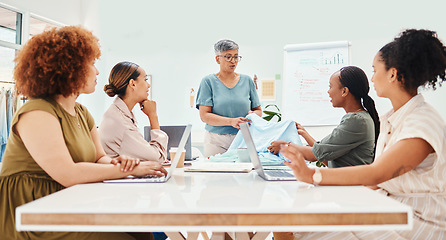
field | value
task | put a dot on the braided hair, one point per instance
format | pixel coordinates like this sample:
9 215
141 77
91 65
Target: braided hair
357 83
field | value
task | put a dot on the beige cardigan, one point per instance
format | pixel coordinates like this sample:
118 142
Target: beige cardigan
120 135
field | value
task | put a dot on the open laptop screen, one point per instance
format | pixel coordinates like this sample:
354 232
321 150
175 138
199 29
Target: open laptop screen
174 133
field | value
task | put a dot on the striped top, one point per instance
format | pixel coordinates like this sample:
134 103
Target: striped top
423 188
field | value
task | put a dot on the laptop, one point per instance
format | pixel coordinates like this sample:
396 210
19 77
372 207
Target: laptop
267 174
155 178
174 133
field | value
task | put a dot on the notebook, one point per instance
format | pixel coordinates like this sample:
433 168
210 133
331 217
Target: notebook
153 178
270 174
174 133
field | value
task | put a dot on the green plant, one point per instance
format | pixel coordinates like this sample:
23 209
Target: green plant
320 164
272 113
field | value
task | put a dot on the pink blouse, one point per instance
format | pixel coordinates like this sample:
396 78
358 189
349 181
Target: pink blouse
120 135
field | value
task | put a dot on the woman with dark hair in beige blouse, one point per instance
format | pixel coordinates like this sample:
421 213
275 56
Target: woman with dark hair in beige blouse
118 129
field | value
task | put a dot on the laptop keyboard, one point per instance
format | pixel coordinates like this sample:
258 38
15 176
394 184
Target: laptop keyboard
158 179
150 176
279 173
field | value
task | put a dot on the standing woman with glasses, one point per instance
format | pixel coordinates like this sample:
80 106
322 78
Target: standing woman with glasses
224 99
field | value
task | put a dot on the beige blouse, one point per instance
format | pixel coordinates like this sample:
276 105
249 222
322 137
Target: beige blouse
422 188
120 135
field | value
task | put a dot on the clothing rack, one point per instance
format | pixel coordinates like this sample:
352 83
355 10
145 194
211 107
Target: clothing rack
10 82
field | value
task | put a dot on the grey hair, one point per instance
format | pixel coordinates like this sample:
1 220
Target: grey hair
224 45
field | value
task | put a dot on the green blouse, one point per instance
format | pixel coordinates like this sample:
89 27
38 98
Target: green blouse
23 181
351 143
75 129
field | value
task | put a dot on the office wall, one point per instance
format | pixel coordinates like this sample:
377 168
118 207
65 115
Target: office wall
173 40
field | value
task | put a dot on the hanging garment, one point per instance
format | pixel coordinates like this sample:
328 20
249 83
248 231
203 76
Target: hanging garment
9 109
3 123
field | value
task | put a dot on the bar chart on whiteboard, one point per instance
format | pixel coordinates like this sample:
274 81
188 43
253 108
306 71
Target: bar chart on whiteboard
307 71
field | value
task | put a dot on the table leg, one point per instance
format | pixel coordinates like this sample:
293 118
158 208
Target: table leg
242 236
205 235
180 236
218 236
192 235
175 236
260 236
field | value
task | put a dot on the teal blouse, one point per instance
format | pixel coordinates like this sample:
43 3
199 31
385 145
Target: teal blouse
228 102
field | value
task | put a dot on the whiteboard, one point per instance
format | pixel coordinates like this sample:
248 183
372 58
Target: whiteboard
307 71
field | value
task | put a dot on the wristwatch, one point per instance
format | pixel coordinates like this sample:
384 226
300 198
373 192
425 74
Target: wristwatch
317 176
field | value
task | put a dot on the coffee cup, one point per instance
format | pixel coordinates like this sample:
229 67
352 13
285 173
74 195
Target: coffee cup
243 155
173 151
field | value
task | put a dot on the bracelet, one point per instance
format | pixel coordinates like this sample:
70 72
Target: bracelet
317 176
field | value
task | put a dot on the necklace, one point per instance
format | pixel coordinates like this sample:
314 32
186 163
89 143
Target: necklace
76 115
77 120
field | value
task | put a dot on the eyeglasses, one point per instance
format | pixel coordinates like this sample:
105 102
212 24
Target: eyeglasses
229 58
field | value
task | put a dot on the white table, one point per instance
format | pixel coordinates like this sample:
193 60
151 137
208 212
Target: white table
217 202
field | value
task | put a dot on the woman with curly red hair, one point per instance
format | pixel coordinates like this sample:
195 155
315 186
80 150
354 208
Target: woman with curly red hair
52 69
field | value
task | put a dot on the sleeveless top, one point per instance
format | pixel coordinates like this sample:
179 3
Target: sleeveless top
76 132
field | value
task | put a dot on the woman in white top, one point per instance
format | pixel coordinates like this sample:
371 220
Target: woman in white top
118 129
410 163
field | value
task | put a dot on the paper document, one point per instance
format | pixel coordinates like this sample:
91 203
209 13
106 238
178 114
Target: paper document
219 167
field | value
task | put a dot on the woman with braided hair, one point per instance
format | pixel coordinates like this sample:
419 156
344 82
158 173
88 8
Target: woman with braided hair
118 129
352 142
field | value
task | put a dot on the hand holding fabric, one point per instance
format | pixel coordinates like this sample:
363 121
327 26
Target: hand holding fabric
275 146
236 121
